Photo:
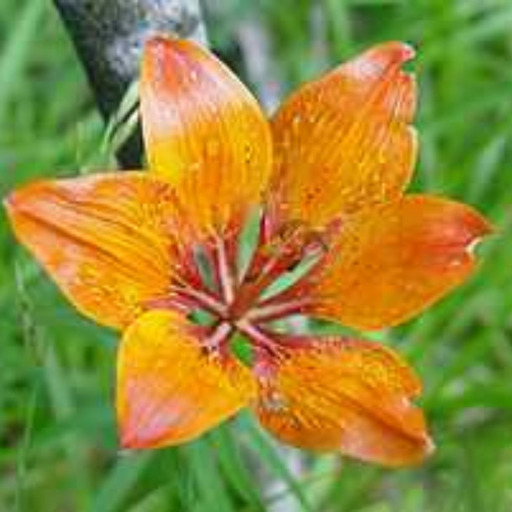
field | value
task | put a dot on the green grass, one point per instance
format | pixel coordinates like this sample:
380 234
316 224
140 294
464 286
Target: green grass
57 438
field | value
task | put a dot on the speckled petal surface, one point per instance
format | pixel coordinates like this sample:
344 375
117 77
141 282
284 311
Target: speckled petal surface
105 239
170 389
344 141
204 133
351 396
391 262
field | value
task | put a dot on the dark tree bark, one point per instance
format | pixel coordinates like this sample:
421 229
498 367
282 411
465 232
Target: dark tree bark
109 36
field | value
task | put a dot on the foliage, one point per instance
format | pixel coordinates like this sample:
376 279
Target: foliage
57 437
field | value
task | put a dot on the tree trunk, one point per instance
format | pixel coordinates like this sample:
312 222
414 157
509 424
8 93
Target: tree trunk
109 36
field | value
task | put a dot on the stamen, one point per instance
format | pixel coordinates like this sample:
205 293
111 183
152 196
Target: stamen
264 271
260 339
219 336
295 244
276 311
204 299
175 303
204 260
225 272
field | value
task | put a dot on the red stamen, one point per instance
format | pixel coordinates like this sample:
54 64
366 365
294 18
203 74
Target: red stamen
225 271
217 339
267 264
261 341
202 298
278 310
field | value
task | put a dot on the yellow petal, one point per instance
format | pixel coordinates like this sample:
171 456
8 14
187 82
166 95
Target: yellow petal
204 132
105 239
345 395
391 262
344 141
171 390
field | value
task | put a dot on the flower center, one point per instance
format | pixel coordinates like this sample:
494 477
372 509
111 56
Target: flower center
246 281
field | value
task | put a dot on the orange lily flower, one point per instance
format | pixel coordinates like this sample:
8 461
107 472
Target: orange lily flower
143 251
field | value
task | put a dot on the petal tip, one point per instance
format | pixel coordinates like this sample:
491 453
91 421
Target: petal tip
471 247
402 51
127 444
421 449
478 227
160 46
130 440
392 52
156 52
429 446
426 449
406 51
158 42
487 228
8 202
380 60
15 204
126 447
21 197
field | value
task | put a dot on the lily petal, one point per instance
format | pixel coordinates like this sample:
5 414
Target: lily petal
105 239
170 389
347 395
391 262
345 141
204 132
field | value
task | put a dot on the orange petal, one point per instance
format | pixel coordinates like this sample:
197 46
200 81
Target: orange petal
346 395
204 132
105 239
391 262
344 141
170 389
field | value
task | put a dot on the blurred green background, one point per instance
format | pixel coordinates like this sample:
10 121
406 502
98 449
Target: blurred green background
57 438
